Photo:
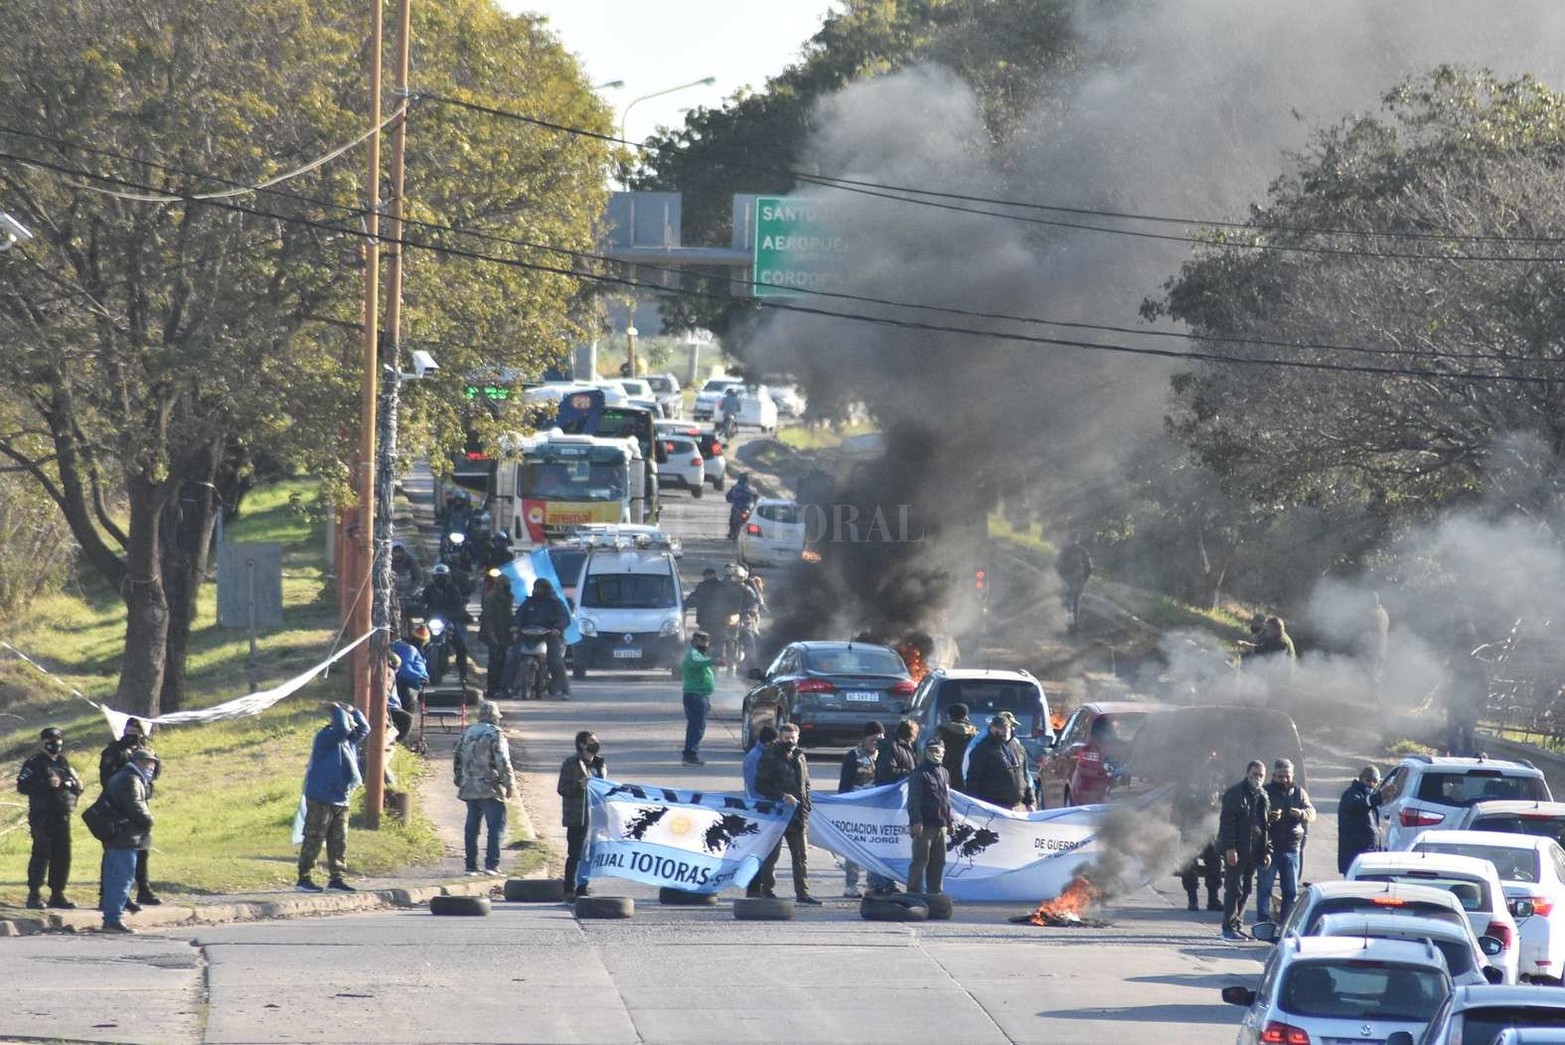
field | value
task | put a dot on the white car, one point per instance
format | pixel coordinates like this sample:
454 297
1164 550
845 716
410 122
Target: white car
789 400
1473 882
1466 956
1426 791
774 536
1478 1014
1339 989
708 395
1532 873
756 409
666 388
1546 819
706 439
684 467
1319 899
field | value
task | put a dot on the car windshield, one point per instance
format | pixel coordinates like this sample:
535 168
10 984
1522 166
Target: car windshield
1381 904
630 591
1465 787
573 480
1522 824
661 384
1474 896
986 698
854 660
1485 1024
1361 989
1512 865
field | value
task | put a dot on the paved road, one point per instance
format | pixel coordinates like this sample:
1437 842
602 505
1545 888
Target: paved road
675 975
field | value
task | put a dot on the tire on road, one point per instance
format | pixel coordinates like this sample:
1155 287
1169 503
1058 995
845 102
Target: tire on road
459 905
605 907
899 908
535 890
939 904
680 898
763 909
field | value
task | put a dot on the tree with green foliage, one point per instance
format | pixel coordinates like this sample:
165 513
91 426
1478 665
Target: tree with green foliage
1459 163
156 347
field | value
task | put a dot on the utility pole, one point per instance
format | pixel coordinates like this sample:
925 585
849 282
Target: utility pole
369 690
386 474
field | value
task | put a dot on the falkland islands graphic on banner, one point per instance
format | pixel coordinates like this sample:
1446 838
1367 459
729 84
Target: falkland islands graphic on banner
992 854
689 840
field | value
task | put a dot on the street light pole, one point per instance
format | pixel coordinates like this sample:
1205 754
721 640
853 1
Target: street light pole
705 81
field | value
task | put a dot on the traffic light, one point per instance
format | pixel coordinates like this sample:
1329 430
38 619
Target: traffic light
980 580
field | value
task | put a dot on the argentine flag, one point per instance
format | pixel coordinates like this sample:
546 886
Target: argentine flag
523 571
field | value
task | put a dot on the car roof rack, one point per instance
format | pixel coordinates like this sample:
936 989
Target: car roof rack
611 541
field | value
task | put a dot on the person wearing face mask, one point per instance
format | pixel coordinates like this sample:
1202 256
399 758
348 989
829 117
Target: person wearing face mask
129 791
784 776
997 767
1245 843
928 819
112 759
51 787
1292 812
572 789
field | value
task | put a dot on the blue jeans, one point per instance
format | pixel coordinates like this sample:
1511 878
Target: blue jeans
491 810
696 707
119 871
1284 868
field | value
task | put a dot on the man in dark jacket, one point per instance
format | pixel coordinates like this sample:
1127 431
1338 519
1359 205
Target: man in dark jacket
997 769
1246 847
1358 818
51 787
893 762
129 791
111 760
572 789
1291 814
443 597
956 733
1074 565
784 776
928 820
494 628
330 778
545 609
858 772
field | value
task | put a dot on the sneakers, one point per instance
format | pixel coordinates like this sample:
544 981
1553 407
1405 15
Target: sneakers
807 900
306 884
115 927
337 885
60 903
492 872
34 902
471 872
147 898
692 760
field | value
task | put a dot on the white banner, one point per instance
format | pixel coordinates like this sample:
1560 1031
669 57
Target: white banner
993 853
691 840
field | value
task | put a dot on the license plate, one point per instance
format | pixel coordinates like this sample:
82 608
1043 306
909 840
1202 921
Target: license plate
627 654
861 694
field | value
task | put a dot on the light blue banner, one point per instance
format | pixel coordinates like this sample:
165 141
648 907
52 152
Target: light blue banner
696 841
522 572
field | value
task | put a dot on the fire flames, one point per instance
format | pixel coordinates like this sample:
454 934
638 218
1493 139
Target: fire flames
1069 908
914 659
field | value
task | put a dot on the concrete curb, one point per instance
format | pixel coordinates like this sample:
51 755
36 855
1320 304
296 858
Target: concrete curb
301 905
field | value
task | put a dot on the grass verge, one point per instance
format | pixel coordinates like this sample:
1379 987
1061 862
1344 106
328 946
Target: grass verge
226 799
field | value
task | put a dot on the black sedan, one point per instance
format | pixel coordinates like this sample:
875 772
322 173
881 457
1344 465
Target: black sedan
829 690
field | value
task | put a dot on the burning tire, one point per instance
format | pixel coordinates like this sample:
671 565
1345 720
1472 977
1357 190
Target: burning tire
939 904
459 906
763 909
680 898
894 909
605 907
535 890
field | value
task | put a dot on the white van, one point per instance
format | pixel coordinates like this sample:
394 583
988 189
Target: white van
630 607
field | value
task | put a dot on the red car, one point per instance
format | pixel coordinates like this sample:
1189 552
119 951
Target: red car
1074 770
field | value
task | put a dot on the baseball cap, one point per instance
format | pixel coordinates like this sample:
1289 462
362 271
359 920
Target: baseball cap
1005 716
143 754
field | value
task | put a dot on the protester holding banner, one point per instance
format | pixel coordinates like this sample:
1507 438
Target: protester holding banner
752 760
893 762
858 772
111 760
784 776
997 769
575 771
928 819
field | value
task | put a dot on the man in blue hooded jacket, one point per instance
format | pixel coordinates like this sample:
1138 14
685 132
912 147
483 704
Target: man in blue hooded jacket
329 779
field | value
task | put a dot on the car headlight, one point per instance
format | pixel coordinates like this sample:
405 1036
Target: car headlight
457 538
670 626
588 625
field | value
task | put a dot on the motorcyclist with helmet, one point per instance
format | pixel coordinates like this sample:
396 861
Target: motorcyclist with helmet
728 413
740 500
444 598
544 608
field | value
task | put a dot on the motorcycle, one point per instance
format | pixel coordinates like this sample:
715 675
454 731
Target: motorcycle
737 517
527 672
437 652
727 428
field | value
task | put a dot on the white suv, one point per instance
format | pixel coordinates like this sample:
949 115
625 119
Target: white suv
1426 791
1336 988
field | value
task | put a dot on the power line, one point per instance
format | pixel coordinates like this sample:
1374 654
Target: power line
841 295
888 191
886 321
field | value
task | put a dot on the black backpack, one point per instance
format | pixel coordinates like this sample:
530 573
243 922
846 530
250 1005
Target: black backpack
103 818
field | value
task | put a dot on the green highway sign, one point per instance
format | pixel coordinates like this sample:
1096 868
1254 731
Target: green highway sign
798 246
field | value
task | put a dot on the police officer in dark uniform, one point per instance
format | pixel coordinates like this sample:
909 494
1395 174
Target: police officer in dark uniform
1242 836
51 787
